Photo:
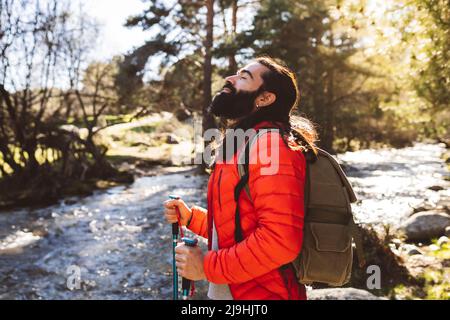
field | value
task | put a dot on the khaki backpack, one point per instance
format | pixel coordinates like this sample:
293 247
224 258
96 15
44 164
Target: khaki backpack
327 252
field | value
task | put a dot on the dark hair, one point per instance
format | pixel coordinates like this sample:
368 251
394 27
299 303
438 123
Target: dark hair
282 82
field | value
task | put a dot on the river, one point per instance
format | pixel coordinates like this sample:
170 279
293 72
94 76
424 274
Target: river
119 245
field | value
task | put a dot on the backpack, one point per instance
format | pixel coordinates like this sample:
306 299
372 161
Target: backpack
327 253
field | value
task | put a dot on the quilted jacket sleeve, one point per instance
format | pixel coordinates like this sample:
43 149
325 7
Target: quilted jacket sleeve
199 221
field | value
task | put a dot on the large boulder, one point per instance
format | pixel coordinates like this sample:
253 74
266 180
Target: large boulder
436 188
182 114
341 294
425 225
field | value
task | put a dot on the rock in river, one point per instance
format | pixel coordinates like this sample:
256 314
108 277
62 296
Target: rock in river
341 294
425 225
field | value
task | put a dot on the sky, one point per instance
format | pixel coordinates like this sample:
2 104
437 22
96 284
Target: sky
114 37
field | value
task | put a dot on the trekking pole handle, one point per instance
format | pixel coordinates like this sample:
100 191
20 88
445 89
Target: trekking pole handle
186 283
175 227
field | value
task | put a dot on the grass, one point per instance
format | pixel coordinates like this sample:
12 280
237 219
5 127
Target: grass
436 281
121 118
143 138
443 253
437 285
41 155
144 128
110 119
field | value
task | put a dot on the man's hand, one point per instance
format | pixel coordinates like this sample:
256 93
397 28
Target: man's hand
171 214
189 261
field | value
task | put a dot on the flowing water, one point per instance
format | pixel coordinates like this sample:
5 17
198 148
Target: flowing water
389 183
118 244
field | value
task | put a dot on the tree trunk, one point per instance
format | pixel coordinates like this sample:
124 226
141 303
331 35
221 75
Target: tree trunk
208 120
329 116
232 65
318 97
30 147
102 167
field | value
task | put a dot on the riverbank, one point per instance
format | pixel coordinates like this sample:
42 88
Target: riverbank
117 237
404 207
159 140
119 240
47 187
152 145
423 244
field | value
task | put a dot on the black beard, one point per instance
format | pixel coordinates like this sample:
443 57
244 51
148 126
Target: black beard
233 105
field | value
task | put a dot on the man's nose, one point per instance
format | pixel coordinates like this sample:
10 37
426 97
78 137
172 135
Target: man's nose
231 79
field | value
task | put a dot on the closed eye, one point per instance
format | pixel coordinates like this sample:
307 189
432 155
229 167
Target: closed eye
241 75
246 72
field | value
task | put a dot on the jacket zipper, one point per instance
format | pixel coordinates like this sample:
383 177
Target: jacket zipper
220 178
210 208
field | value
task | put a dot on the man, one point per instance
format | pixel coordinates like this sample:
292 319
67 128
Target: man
260 95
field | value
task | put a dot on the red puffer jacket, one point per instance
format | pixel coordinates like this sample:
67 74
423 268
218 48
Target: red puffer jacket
272 224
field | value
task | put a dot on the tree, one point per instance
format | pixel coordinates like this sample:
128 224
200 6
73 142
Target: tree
208 120
184 27
311 41
43 54
434 81
430 59
32 46
227 46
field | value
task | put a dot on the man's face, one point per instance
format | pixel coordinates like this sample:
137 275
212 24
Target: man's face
238 96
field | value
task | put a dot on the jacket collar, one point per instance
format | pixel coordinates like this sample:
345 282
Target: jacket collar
267 124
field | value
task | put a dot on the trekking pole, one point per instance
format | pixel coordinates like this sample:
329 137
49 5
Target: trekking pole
186 283
174 244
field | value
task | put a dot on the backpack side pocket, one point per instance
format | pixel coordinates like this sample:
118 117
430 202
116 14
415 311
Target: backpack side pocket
326 255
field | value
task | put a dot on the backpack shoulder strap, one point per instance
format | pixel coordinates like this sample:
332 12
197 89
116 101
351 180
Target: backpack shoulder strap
244 156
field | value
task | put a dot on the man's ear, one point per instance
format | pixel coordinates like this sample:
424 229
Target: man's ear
266 98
